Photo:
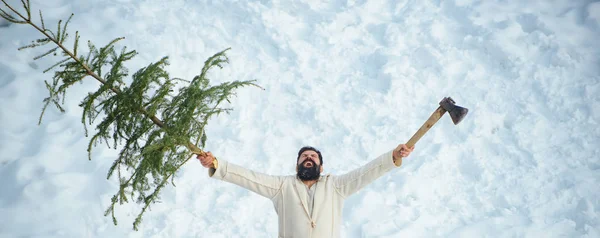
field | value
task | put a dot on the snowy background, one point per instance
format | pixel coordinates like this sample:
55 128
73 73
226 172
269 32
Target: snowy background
353 78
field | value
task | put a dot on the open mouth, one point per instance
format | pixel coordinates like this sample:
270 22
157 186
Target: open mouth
308 164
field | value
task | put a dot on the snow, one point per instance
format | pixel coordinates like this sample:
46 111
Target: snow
353 78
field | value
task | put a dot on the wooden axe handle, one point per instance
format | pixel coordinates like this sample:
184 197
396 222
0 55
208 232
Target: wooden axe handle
437 114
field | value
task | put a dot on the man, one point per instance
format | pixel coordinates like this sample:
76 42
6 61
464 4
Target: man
307 204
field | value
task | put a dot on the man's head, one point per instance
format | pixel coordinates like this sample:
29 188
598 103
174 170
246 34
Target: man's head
309 163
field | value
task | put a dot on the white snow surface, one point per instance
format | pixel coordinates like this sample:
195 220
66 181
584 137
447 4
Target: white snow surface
353 78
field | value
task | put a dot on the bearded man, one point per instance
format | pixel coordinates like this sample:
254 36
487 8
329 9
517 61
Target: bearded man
307 204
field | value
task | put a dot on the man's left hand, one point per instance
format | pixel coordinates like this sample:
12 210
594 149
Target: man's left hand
402 151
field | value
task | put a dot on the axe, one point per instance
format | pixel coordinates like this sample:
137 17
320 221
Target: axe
457 113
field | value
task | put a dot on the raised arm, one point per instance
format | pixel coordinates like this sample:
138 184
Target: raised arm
353 181
265 185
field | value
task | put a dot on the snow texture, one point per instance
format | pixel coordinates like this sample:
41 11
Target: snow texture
351 77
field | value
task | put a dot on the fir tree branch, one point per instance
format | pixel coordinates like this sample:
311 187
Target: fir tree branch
15 11
152 148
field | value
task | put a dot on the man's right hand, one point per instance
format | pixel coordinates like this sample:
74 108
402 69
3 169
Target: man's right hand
206 160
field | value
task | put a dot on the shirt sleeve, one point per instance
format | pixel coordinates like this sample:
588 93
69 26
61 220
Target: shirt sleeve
351 182
260 183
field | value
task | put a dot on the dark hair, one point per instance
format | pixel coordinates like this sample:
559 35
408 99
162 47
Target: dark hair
305 148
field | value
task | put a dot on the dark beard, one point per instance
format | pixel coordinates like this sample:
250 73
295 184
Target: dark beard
308 174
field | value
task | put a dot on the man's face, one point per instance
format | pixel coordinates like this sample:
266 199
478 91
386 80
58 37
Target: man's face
309 158
309 166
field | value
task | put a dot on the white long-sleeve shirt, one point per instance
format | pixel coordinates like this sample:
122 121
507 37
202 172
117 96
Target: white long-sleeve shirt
292 200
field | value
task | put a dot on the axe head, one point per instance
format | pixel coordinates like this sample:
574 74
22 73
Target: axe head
457 113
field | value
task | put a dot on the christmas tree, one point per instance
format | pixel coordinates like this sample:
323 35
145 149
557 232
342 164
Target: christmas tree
158 122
